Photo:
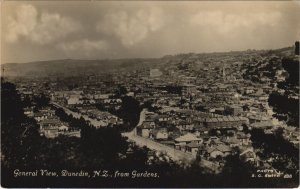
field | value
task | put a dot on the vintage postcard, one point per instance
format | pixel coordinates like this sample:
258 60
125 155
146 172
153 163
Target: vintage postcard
150 94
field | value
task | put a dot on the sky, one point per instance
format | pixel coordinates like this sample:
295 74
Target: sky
45 30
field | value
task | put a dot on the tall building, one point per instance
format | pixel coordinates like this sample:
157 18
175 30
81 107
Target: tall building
155 73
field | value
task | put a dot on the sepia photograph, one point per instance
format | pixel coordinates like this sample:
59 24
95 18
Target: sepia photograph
150 94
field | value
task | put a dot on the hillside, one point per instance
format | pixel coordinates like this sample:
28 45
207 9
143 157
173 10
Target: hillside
71 67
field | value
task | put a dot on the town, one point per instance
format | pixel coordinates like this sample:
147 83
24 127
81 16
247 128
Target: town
190 107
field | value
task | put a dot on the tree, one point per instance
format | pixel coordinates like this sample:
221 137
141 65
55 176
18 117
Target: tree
62 115
121 91
237 168
41 100
27 102
11 120
279 132
286 108
129 112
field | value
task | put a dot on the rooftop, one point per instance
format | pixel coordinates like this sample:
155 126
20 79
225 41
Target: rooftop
187 138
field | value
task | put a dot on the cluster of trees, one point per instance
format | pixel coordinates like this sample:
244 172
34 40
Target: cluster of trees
254 69
292 67
174 89
129 111
287 108
23 148
284 154
37 101
149 106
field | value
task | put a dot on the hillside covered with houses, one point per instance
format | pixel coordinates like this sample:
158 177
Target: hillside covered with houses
187 111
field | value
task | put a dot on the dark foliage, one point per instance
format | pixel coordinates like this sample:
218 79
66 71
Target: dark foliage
297 48
129 111
274 143
41 100
275 146
121 91
292 67
286 108
174 89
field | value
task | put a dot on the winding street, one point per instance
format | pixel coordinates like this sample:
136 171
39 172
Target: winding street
176 155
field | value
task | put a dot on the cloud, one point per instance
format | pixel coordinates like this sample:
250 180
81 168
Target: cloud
45 30
84 47
131 28
40 29
23 23
53 27
227 22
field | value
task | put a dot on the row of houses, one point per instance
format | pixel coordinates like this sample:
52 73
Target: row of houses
105 118
51 126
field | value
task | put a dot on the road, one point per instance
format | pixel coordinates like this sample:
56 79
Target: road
176 155
172 152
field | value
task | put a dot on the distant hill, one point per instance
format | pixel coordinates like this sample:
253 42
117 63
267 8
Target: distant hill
71 67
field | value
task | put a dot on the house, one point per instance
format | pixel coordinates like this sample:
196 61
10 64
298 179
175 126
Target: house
115 103
155 72
206 138
243 138
38 116
130 94
162 118
188 89
29 112
256 118
50 131
202 129
49 122
182 141
213 141
232 142
47 111
73 100
248 155
185 126
63 128
113 120
224 122
249 90
159 134
145 128
220 150
233 110
193 147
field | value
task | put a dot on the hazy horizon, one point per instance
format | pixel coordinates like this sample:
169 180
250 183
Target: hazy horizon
44 31
47 60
